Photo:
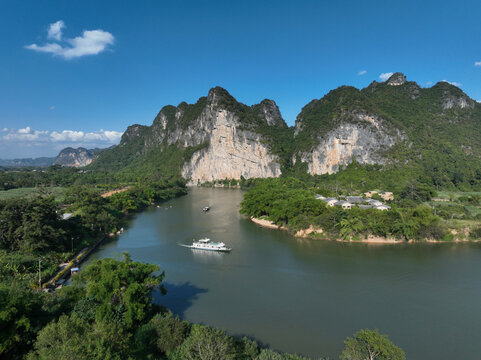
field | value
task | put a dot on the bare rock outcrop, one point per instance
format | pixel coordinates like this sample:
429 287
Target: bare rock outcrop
363 141
461 101
75 157
227 145
397 79
232 153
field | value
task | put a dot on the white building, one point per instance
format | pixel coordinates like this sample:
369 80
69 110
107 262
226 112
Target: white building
330 201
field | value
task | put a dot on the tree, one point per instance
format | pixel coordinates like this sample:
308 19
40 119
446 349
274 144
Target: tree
21 316
161 335
371 345
205 343
267 354
30 225
121 289
73 338
350 226
63 339
417 192
170 331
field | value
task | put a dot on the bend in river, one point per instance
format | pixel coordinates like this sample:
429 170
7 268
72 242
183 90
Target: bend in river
307 296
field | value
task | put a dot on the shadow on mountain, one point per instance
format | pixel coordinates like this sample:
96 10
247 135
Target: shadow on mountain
179 297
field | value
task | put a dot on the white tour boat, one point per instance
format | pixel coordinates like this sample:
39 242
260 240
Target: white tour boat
206 244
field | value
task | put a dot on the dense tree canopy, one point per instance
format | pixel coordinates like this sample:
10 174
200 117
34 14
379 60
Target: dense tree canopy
371 345
292 202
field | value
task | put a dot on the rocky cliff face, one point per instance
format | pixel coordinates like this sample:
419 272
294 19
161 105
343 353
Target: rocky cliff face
224 135
460 101
231 153
363 141
75 157
218 137
397 79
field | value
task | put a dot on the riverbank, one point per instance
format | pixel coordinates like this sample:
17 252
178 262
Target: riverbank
268 224
315 233
272 268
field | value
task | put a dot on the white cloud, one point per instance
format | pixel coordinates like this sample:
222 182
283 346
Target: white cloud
52 108
28 142
26 134
91 42
478 101
27 130
477 63
429 83
67 135
454 83
55 30
385 76
362 72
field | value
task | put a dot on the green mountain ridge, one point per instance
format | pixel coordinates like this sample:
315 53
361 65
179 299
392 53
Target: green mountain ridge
434 132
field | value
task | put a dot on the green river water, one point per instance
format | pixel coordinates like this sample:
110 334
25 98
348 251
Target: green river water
305 296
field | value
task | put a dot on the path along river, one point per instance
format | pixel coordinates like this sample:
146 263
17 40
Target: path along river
307 296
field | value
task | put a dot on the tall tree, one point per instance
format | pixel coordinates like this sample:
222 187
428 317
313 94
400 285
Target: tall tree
371 345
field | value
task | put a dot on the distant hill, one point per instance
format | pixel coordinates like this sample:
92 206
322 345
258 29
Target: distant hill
29 162
432 133
67 157
76 157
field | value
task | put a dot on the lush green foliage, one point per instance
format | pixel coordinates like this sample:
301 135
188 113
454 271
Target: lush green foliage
107 314
120 289
321 116
291 202
31 225
442 147
369 345
21 316
118 293
34 178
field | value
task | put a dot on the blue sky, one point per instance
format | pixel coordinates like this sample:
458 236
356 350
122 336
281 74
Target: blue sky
79 72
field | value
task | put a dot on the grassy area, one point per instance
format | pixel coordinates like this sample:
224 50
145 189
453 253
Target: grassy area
456 194
460 211
31 192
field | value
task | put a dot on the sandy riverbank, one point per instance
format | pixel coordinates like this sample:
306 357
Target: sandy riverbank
267 224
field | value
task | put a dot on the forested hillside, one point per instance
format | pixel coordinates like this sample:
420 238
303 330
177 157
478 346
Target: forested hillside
431 135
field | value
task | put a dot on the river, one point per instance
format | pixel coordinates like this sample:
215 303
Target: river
306 296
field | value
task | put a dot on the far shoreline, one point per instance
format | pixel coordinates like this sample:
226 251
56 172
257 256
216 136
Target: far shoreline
371 239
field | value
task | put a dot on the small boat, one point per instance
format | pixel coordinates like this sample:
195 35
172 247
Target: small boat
206 244
206 208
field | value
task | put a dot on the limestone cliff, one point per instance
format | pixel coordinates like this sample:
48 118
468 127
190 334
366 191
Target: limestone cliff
341 127
231 153
362 141
396 122
219 137
75 157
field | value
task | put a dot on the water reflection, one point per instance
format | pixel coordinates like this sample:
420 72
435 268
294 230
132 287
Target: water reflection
179 297
208 256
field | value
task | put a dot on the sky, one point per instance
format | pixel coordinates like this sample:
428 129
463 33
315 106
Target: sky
78 73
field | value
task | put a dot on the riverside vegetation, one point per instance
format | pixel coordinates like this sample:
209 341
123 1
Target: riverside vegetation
430 135
107 312
291 203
